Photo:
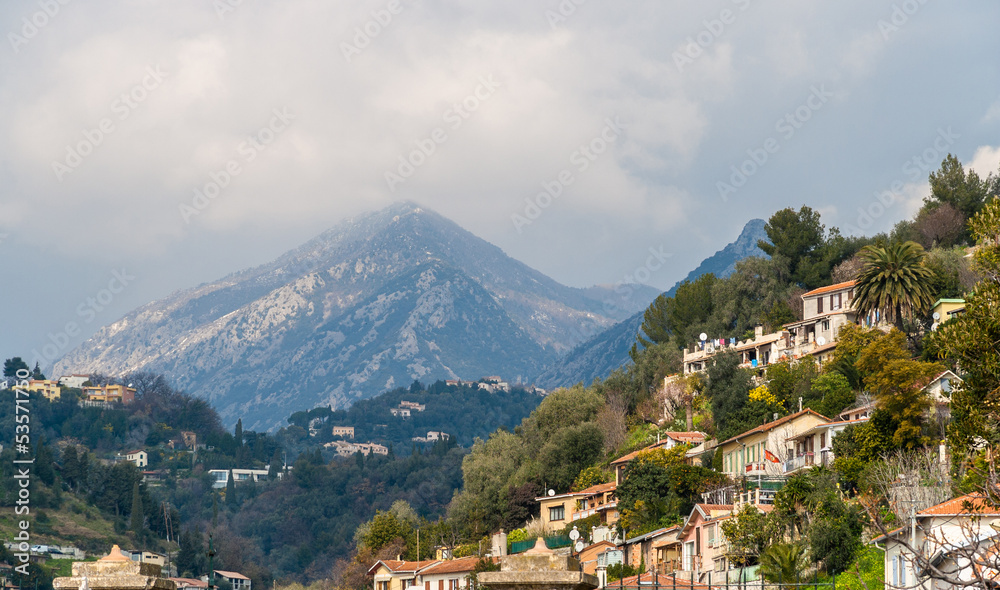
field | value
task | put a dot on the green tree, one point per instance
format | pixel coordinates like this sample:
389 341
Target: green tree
895 282
783 562
750 532
952 185
795 239
12 365
238 433
897 384
569 451
834 393
137 518
231 500
970 341
37 373
728 389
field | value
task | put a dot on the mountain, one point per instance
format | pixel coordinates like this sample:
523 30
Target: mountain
608 350
371 304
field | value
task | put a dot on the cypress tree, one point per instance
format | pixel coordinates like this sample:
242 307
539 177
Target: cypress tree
231 491
138 519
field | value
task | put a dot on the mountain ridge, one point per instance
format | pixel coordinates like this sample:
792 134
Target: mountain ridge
374 302
608 350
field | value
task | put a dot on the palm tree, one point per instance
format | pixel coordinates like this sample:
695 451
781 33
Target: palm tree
783 562
894 281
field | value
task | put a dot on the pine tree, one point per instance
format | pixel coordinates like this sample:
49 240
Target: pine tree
37 373
239 432
137 518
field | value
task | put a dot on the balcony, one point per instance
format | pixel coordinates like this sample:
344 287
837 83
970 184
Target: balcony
803 461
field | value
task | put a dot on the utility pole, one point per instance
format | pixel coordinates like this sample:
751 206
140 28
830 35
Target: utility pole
211 566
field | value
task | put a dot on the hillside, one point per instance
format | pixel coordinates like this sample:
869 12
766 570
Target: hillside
371 304
608 350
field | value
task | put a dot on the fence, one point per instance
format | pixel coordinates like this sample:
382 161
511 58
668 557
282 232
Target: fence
551 542
734 579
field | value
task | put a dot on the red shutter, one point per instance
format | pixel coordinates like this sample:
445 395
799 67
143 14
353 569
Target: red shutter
440 584
819 305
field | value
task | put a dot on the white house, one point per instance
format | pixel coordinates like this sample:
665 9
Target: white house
945 544
220 477
139 457
236 579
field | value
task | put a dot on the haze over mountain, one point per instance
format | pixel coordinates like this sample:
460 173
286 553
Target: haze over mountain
373 303
608 350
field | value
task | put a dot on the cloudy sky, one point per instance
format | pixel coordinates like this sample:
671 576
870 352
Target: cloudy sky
152 145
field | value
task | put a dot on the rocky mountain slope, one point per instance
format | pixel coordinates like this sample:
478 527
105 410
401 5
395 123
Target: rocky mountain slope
608 350
373 303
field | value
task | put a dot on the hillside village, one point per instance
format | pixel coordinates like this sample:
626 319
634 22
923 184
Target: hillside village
823 415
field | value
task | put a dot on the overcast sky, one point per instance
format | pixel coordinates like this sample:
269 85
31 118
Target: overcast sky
114 113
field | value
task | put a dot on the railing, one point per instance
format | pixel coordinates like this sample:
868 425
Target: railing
803 460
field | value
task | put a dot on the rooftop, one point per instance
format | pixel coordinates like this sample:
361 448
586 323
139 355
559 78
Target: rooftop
829 288
775 424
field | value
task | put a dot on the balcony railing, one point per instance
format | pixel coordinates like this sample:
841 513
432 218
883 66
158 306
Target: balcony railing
799 462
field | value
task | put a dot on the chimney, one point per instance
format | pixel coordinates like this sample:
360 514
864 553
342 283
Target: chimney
800 403
758 331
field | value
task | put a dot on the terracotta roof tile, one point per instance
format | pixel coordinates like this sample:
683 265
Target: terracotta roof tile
599 488
828 288
462 564
775 423
968 504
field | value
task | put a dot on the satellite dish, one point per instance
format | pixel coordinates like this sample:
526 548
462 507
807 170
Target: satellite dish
579 546
703 336
574 534
552 492
821 341
936 316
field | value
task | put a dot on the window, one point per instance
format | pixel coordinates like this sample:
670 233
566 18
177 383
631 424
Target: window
453 584
826 325
688 553
711 535
557 513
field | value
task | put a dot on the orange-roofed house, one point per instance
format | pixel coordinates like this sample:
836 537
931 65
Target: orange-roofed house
824 311
394 574
668 440
702 541
447 575
598 499
943 535
764 450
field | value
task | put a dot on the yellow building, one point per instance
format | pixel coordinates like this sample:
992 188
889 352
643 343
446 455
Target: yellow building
947 309
48 388
765 449
557 510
